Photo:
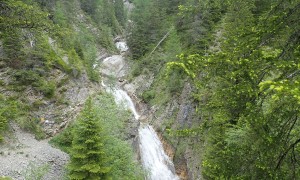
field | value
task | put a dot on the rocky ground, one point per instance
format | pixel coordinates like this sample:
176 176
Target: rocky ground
23 156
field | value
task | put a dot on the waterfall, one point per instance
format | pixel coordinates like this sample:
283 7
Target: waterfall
155 161
122 98
122 46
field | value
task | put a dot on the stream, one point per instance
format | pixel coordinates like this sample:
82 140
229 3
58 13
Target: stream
154 160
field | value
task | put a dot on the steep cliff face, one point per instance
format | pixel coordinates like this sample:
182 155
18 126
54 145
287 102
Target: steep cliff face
180 114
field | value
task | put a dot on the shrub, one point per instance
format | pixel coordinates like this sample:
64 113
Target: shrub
26 77
31 124
47 88
64 139
36 172
148 95
8 110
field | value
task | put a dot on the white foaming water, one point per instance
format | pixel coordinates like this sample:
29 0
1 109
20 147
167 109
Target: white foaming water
122 46
154 158
122 98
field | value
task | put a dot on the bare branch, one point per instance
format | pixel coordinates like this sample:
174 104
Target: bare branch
165 36
286 152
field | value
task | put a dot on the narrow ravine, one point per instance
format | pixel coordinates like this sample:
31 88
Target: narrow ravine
154 160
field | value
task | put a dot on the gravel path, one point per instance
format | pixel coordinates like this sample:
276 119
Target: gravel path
24 152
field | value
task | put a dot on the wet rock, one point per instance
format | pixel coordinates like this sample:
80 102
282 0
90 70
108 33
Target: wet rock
122 46
113 66
49 123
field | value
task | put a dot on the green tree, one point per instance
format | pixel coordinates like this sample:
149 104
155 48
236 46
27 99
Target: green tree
8 111
12 46
87 154
89 6
197 21
120 12
60 16
149 27
17 14
119 151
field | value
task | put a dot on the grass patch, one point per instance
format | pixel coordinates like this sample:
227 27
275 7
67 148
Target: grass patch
34 171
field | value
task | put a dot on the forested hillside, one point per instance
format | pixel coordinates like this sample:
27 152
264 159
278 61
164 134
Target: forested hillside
242 58
44 39
218 80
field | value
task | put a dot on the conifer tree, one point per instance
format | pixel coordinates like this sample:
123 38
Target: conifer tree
88 159
119 11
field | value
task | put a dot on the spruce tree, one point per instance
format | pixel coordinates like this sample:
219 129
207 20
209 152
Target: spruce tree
119 12
87 157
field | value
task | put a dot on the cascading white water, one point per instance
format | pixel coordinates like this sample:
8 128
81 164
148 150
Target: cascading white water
154 159
122 46
122 98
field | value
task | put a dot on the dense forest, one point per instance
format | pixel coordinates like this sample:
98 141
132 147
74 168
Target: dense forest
241 59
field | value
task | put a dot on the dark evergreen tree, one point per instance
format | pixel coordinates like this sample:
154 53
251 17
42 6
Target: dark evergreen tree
150 24
137 32
120 12
89 6
87 157
196 23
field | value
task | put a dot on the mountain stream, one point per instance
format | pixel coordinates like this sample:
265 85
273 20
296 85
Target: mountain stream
154 160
